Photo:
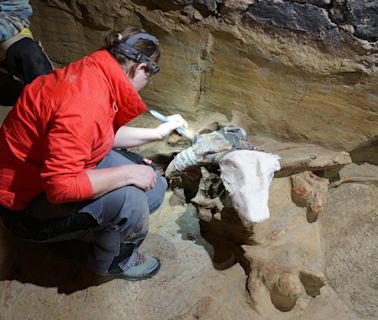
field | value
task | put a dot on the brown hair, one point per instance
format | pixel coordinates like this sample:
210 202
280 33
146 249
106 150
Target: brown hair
146 47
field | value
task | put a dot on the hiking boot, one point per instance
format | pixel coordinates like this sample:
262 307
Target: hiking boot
145 267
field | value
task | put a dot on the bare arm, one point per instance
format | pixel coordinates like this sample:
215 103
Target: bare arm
127 137
109 179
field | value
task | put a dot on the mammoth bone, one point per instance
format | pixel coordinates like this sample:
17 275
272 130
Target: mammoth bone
208 149
246 173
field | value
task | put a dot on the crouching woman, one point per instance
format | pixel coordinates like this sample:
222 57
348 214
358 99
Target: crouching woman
61 176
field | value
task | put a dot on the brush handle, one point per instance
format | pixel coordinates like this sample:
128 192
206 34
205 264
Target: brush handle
163 118
159 116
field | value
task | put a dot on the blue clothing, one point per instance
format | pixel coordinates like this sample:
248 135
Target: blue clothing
14 16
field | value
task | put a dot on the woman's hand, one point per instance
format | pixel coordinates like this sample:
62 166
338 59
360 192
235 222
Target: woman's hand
142 176
108 179
177 118
175 121
127 137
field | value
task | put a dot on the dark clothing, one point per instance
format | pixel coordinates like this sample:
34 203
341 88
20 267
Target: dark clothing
29 228
26 60
10 89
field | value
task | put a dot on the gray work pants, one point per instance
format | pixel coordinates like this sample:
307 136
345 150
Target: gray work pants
114 224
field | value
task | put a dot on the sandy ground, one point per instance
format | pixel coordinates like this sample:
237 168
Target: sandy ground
50 282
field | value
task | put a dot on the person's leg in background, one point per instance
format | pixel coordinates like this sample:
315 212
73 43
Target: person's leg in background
27 60
10 89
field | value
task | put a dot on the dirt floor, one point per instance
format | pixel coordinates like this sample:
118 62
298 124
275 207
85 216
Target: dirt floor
51 282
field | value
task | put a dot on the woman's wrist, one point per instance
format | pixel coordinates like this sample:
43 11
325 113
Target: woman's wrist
158 135
127 174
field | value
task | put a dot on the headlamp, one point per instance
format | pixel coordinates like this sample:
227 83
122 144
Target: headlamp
134 54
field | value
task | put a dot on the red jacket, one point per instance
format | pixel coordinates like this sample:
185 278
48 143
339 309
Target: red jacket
64 123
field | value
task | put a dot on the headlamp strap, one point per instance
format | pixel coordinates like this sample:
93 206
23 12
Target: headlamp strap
133 53
141 36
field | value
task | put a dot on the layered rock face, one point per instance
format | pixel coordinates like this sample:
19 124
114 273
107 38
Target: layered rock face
297 70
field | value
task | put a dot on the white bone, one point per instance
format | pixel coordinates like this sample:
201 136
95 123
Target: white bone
247 175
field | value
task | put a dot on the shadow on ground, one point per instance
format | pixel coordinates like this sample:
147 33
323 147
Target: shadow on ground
366 152
60 265
224 250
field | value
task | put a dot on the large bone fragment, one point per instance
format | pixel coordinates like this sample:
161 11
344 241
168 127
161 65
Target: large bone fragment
286 262
246 175
208 205
208 149
311 190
